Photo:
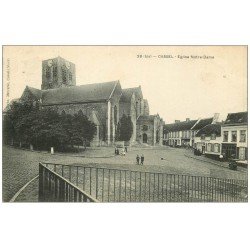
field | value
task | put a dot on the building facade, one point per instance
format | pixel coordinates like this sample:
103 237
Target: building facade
234 136
183 133
150 130
179 133
208 140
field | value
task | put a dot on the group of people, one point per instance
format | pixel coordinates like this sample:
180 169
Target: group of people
123 151
138 158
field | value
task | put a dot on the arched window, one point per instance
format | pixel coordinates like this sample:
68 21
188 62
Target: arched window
115 115
47 73
55 71
158 136
63 113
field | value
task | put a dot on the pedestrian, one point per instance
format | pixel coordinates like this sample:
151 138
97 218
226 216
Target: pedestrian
142 159
126 149
117 151
221 157
137 159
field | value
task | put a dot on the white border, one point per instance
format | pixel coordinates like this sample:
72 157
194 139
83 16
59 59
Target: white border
124 226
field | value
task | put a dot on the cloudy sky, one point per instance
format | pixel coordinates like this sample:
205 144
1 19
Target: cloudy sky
178 81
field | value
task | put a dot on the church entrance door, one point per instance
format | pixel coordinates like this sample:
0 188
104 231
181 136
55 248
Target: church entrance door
145 138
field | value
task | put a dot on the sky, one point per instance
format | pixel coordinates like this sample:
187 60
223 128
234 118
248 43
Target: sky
179 82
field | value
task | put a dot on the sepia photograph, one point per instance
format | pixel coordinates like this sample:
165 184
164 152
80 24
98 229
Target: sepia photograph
139 124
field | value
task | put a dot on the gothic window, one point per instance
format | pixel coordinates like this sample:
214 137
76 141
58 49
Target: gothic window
144 127
64 75
70 76
47 73
115 115
158 136
55 71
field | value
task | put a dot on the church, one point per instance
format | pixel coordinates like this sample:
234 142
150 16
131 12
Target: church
103 103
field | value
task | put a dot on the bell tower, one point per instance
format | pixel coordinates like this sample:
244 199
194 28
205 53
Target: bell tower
57 72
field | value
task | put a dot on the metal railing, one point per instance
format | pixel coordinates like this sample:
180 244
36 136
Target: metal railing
55 188
122 185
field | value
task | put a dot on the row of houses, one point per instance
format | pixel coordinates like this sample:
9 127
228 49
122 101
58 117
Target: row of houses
228 138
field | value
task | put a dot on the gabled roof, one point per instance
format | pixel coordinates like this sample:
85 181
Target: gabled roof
79 94
236 118
126 95
202 123
136 90
179 126
210 129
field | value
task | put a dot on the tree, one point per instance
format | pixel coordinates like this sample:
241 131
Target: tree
83 130
45 128
124 128
18 121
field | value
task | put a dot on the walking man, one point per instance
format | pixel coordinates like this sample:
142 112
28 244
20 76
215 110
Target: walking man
137 159
142 159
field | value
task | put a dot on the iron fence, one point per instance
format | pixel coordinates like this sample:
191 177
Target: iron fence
122 185
55 188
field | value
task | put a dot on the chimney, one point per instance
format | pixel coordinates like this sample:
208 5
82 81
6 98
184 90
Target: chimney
187 119
176 121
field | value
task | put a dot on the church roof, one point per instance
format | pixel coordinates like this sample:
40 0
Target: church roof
148 117
136 90
79 94
126 95
35 92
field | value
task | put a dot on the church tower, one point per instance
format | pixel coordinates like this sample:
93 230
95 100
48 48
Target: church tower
58 72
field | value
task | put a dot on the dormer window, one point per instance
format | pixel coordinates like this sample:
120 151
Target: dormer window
213 136
203 137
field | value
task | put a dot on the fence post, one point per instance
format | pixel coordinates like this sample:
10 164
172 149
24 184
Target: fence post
70 173
75 195
96 183
41 183
120 182
102 184
61 191
125 185
114 183
108 183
